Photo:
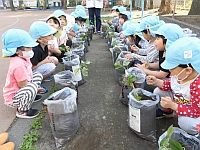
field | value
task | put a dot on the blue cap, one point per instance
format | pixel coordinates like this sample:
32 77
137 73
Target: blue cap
131 28
185 50
114 7
59 13
125 25
74 14
150 22
121 9
171 32
41 29
127 13
75 29
14 38
78 7
81 13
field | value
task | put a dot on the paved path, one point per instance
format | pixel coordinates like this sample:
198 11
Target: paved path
102 116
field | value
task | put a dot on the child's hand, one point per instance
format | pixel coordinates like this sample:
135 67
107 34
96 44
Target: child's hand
108 21
166 102
40 89
48 59
151 80
146 64
128 56
67 48
134 48
141 67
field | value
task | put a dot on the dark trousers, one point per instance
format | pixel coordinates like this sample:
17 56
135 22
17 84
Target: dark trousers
97 12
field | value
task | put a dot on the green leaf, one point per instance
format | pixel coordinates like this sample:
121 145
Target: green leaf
175 145
85 71
126 63
87 62
118 65
164 142
170 131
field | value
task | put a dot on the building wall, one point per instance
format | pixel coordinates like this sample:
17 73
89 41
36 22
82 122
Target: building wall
138 3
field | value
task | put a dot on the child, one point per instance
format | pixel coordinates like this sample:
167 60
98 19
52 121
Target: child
58 38
150 54
167 33
120 10
181 93
41 60
115 14
124 19
21 85
130 36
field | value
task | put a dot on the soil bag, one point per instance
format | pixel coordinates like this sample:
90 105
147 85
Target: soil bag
76 41
142 114
72 63
63 115
187 141
138 83
120 72
139 74
79 51
117 50
65 79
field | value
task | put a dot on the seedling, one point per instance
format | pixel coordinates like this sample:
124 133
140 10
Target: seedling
83 36
83 66
168 144
129 79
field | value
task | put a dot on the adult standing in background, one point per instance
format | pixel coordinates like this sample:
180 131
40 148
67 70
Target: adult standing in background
94 8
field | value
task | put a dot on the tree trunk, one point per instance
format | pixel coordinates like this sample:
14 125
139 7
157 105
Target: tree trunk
168 4
151 4
12 6
162 6
165 7
194 10
133 3
146 5
64 4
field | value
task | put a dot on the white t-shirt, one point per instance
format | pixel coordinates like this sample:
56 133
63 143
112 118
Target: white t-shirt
70 23
94 3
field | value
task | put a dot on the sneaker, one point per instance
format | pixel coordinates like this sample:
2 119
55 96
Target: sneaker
38 98
48 79
45 89
7 146
3 138
160 114
31 113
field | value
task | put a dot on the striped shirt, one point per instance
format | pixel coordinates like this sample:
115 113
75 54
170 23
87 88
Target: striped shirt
150 54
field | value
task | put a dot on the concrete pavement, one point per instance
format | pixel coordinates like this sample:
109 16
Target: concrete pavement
102 116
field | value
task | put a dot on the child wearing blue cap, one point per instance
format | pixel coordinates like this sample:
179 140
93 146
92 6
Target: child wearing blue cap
165 35
124 20
41 61
182 91
150 54
131 37
21 85
115 21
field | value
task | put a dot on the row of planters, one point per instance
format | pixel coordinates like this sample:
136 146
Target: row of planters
61 106
141 103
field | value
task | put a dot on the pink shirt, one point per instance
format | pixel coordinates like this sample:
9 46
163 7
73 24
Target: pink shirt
19 70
